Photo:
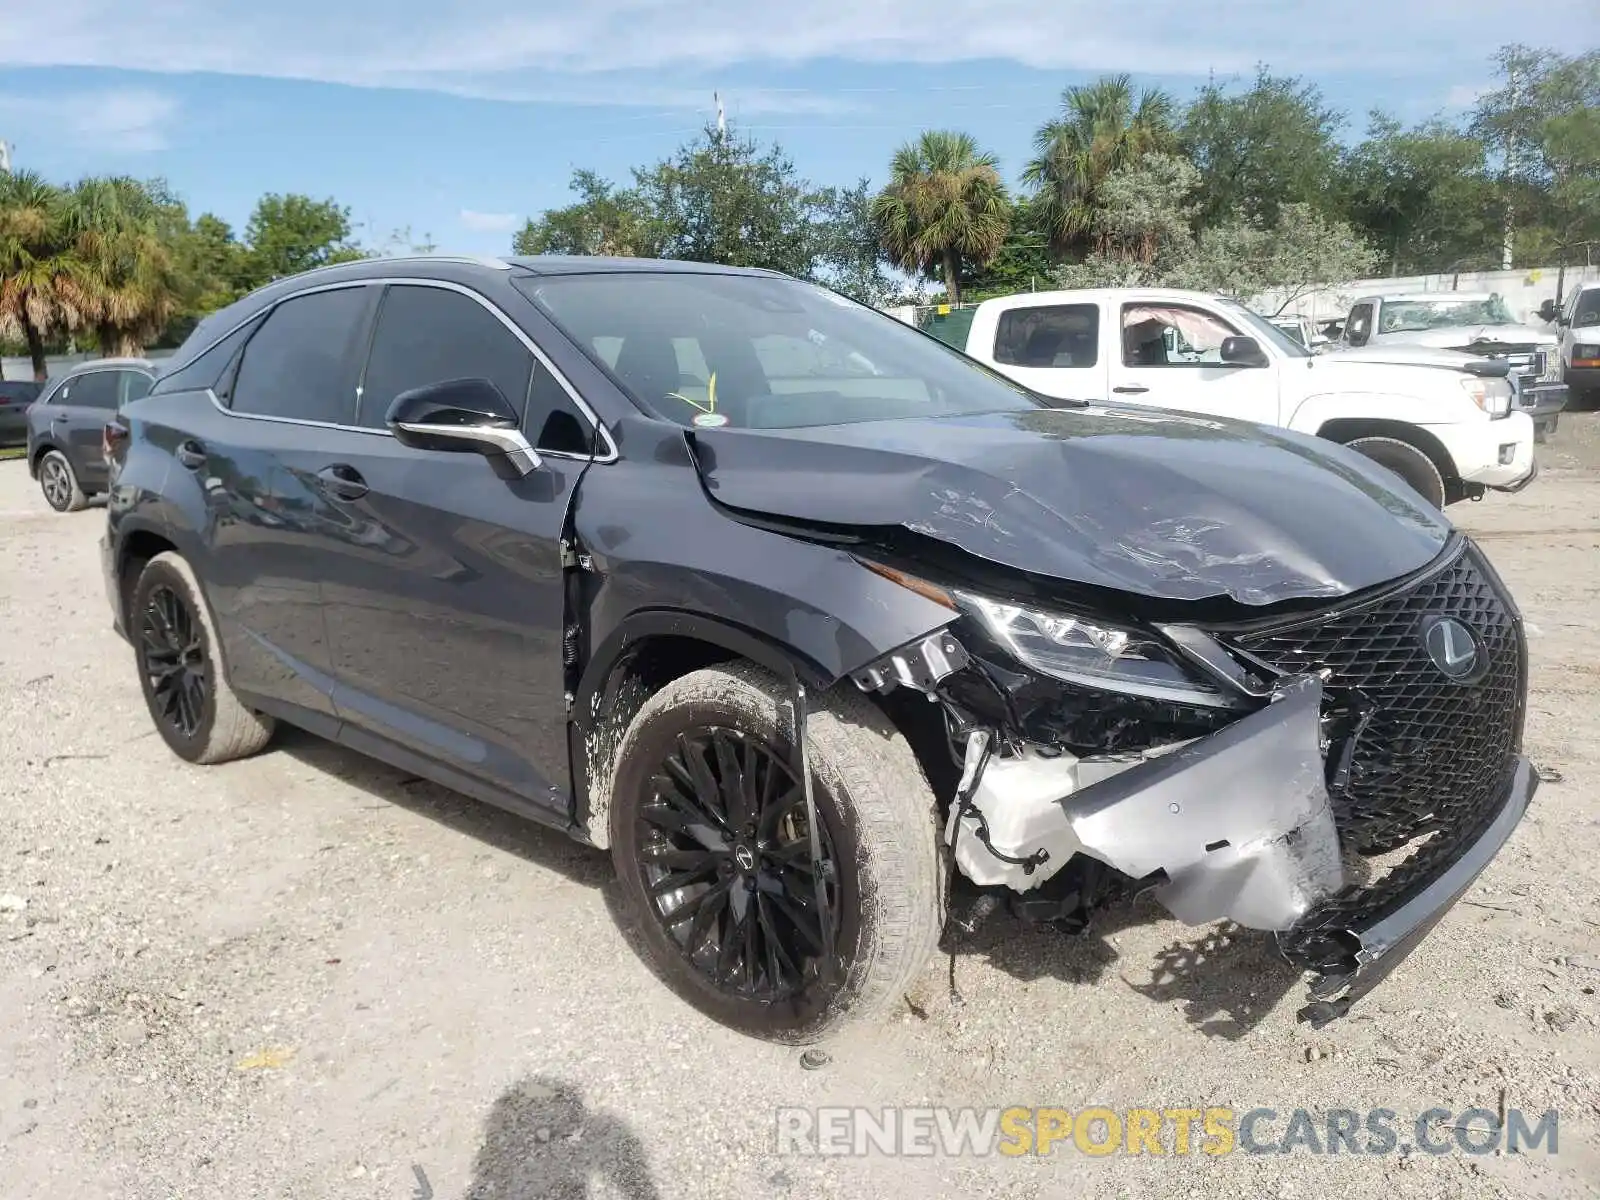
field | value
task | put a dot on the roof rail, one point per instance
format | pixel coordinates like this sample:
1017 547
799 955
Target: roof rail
475 260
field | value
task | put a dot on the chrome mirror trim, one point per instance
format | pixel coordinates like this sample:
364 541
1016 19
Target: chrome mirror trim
509 442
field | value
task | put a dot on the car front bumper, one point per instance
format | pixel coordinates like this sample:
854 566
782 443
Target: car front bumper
1495 454
1381 943
1236 825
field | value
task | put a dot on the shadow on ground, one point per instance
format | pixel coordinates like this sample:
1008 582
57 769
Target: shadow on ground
542 1142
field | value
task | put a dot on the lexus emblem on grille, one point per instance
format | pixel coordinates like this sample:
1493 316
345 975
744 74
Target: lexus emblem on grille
1454 649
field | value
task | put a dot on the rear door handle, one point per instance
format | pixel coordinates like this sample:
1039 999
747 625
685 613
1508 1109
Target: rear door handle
1134 389
343 480
191 454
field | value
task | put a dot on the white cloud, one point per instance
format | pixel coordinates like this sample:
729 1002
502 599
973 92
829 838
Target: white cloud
487 222
539 49
1465 95
125 120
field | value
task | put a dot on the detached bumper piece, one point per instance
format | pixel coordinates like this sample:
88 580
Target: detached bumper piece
1350 960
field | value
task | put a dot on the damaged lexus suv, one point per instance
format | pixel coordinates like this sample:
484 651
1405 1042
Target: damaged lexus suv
797 611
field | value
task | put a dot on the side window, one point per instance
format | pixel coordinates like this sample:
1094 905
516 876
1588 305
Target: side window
1359 327
1056 335
131 385
431 335
93 389
55 391
1172 335
553 421
211 369
1587 309
299 364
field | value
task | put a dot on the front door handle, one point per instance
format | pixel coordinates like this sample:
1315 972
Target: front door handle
191 454
1131 389
342 480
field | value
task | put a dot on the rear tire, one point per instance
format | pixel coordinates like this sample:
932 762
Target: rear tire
1406 461
685 859
59 483
180 669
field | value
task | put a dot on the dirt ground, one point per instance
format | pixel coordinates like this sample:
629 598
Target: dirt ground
307 975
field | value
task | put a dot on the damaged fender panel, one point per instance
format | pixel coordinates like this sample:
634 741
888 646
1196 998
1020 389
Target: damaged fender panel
1238 822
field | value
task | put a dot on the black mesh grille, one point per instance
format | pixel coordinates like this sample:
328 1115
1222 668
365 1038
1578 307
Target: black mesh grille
1410 752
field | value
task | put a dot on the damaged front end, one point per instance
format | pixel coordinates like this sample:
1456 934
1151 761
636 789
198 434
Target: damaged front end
1254 773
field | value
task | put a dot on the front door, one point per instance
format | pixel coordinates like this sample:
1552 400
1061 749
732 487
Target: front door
1172 358
447 605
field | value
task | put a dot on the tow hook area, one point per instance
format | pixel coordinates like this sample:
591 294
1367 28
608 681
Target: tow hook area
1235 825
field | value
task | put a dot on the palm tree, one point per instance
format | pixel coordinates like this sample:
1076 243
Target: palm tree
119 229
44 288
944 204
1101 127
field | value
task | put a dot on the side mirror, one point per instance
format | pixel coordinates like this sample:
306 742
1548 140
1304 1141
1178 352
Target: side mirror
1548 311
1243 352
466 415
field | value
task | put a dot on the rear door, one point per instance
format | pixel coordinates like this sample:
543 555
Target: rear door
446 600
79 411
1171 357
1054 349
282 409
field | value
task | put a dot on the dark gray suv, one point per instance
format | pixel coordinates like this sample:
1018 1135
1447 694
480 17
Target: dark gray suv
799 612
66 427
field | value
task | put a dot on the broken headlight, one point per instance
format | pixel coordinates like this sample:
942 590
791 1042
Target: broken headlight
1094 653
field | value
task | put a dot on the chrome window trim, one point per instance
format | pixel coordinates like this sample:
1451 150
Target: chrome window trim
609 454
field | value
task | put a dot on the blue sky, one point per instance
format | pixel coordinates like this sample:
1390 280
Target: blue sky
460 119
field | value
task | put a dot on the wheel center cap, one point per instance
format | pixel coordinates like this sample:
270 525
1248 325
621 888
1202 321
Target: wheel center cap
745 858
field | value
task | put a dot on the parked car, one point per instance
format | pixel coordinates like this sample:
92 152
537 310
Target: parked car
1302 330
15 396
1442 423
790 607
1579 323
67 423
1476 323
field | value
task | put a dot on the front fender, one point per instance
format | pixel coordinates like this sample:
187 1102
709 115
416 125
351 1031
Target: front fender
1411 408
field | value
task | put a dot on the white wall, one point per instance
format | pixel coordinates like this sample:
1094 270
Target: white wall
56 364
1523 290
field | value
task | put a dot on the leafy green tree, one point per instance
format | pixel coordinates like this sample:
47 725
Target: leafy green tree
1274 144
1143 237
605 220
1140 227
723 198
1423 196
846 254
45 289
1023 262
291 233
1101 128
123 233
944 205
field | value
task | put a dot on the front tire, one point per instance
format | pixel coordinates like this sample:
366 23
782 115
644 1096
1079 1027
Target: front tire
710 839
180 669
1406 461
59 483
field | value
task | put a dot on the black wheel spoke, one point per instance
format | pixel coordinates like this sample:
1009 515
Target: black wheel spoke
725 853
174 661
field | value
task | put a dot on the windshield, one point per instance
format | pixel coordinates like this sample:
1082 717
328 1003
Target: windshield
1412 316
1264 330
748 350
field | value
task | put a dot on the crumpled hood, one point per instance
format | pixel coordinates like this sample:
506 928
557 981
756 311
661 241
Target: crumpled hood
1461 336
1162 505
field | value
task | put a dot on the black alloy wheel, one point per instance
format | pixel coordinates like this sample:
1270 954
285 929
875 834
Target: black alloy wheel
173 660
724 847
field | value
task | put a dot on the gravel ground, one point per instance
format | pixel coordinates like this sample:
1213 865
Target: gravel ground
307 975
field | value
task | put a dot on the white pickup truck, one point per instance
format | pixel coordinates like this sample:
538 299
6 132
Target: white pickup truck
1442 421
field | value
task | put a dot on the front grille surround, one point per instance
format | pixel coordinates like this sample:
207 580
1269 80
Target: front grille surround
1411 754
